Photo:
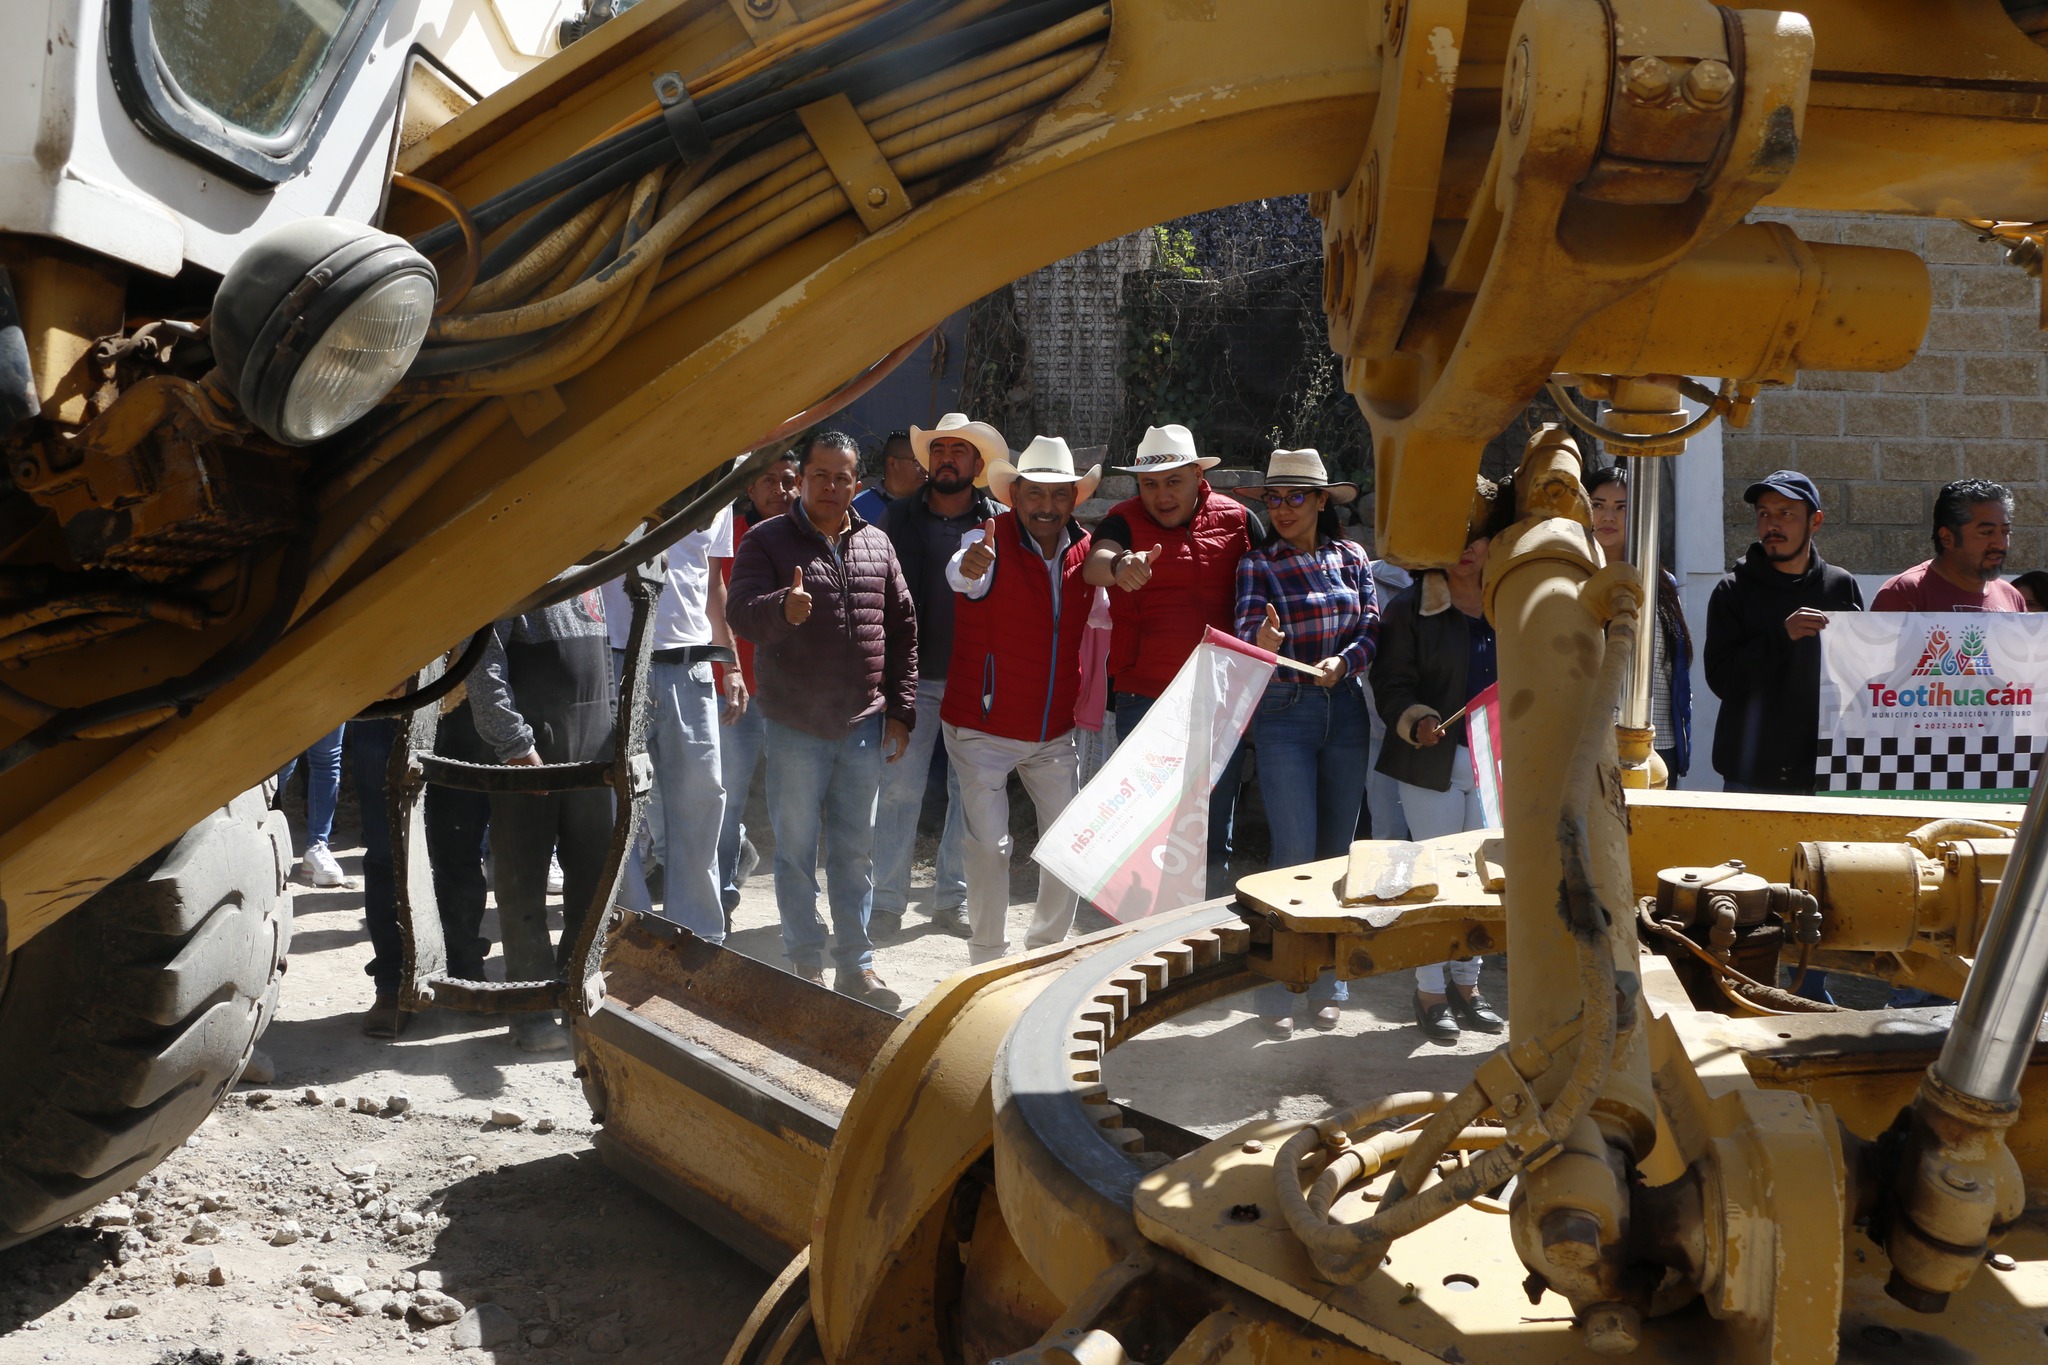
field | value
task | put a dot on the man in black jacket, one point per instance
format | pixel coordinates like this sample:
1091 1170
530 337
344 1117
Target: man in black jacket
1763 641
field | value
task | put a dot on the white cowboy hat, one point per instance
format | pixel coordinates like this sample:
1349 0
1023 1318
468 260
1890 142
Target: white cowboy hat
957 425
1045 460
1298 469
1167 447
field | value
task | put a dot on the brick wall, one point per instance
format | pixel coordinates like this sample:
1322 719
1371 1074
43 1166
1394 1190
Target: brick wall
1973 404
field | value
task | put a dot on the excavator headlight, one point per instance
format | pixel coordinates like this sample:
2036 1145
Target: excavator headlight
316 322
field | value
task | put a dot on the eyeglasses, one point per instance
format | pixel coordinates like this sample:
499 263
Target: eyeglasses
1294 499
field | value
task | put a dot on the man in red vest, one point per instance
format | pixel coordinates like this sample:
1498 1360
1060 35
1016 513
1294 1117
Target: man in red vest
1020 610
1170 557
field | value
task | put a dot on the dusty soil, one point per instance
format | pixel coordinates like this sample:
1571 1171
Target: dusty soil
341 1225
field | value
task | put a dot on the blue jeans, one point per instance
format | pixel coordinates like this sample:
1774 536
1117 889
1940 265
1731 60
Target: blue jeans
323 784
739 753
825 788
1130 710
682 739
903 784
1312 744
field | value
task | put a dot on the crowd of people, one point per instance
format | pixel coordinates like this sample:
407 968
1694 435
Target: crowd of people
831 637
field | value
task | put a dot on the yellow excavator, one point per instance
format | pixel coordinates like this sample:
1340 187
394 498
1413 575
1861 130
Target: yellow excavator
329 334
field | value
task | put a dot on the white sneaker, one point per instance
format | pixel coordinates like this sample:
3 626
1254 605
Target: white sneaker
321 868
554 876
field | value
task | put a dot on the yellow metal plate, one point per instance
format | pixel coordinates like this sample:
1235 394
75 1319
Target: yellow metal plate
1452 1292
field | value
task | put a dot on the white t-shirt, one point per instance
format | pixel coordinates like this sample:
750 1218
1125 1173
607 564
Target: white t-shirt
679 614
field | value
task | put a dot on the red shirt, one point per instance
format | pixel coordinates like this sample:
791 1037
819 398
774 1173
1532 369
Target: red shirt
740 644
1920 588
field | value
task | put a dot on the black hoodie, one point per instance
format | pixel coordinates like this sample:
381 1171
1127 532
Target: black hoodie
1769 683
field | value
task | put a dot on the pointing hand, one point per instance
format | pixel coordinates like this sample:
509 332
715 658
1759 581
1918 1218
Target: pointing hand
796 608
1271 637
981 555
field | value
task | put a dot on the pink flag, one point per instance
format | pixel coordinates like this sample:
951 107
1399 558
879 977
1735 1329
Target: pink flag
1136 840
1482 741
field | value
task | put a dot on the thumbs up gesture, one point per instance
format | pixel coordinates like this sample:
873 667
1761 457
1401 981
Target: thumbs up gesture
981 555
796 608
1134 571
1271 637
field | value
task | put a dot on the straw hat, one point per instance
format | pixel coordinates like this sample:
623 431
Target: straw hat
1045 460
1299 469
1167 447
957 425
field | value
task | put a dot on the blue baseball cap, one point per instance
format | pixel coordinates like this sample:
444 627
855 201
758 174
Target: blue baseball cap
1789 482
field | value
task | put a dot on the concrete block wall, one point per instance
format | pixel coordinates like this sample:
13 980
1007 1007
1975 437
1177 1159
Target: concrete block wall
1974 404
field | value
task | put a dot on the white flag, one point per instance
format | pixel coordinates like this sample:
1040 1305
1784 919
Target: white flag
1136 840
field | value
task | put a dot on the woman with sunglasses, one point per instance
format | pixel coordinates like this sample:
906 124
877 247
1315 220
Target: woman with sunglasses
1307 594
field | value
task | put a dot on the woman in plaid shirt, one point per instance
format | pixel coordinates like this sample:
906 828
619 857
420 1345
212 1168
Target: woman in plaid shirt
1308 594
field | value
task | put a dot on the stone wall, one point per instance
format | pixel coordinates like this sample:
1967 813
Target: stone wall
1974 404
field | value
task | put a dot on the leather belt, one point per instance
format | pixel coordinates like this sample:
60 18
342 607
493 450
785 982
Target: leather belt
696 654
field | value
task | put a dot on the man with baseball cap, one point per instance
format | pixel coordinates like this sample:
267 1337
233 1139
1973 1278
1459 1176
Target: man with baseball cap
1763 648
1169 557
926 527
1020 612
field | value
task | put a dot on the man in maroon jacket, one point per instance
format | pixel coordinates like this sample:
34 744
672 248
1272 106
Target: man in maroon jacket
819 593
1014 679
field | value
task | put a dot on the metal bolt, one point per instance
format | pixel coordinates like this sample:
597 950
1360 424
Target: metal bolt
1253 1145
2000 1261
1647 80
1571 1237
1613 1329
761 9
1957 1181
1515 90
1709 85
877 197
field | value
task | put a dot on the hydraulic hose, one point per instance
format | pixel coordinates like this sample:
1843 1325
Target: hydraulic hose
175 696
1347 1252
457 673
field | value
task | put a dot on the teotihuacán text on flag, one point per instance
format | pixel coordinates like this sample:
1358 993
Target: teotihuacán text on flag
1943 705
1136 840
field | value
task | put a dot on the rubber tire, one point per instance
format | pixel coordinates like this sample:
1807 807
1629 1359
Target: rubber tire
123 1024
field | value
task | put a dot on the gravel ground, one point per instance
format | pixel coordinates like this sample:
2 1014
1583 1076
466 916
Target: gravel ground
370 1202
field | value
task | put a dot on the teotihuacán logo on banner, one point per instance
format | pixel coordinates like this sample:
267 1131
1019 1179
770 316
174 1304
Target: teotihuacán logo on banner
1966 658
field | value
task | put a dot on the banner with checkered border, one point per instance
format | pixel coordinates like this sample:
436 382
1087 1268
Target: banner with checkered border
1932 705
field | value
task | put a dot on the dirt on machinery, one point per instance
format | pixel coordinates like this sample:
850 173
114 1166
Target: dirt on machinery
437 1197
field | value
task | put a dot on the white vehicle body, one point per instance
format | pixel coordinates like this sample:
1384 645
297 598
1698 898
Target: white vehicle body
78 164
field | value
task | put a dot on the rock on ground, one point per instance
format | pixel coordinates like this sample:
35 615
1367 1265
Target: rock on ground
485 1325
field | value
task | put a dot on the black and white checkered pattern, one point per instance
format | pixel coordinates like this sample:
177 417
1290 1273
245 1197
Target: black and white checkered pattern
1974 762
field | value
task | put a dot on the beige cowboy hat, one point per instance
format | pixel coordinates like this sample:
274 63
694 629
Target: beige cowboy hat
960 427
1167 447
1045 460
1298 469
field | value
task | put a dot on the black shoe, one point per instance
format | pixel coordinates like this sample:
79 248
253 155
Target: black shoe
384 1019
1437 1022
866 987
952 919
884 926
1475 1013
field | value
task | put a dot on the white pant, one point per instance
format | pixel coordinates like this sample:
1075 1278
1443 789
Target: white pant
1051 775
1431 815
